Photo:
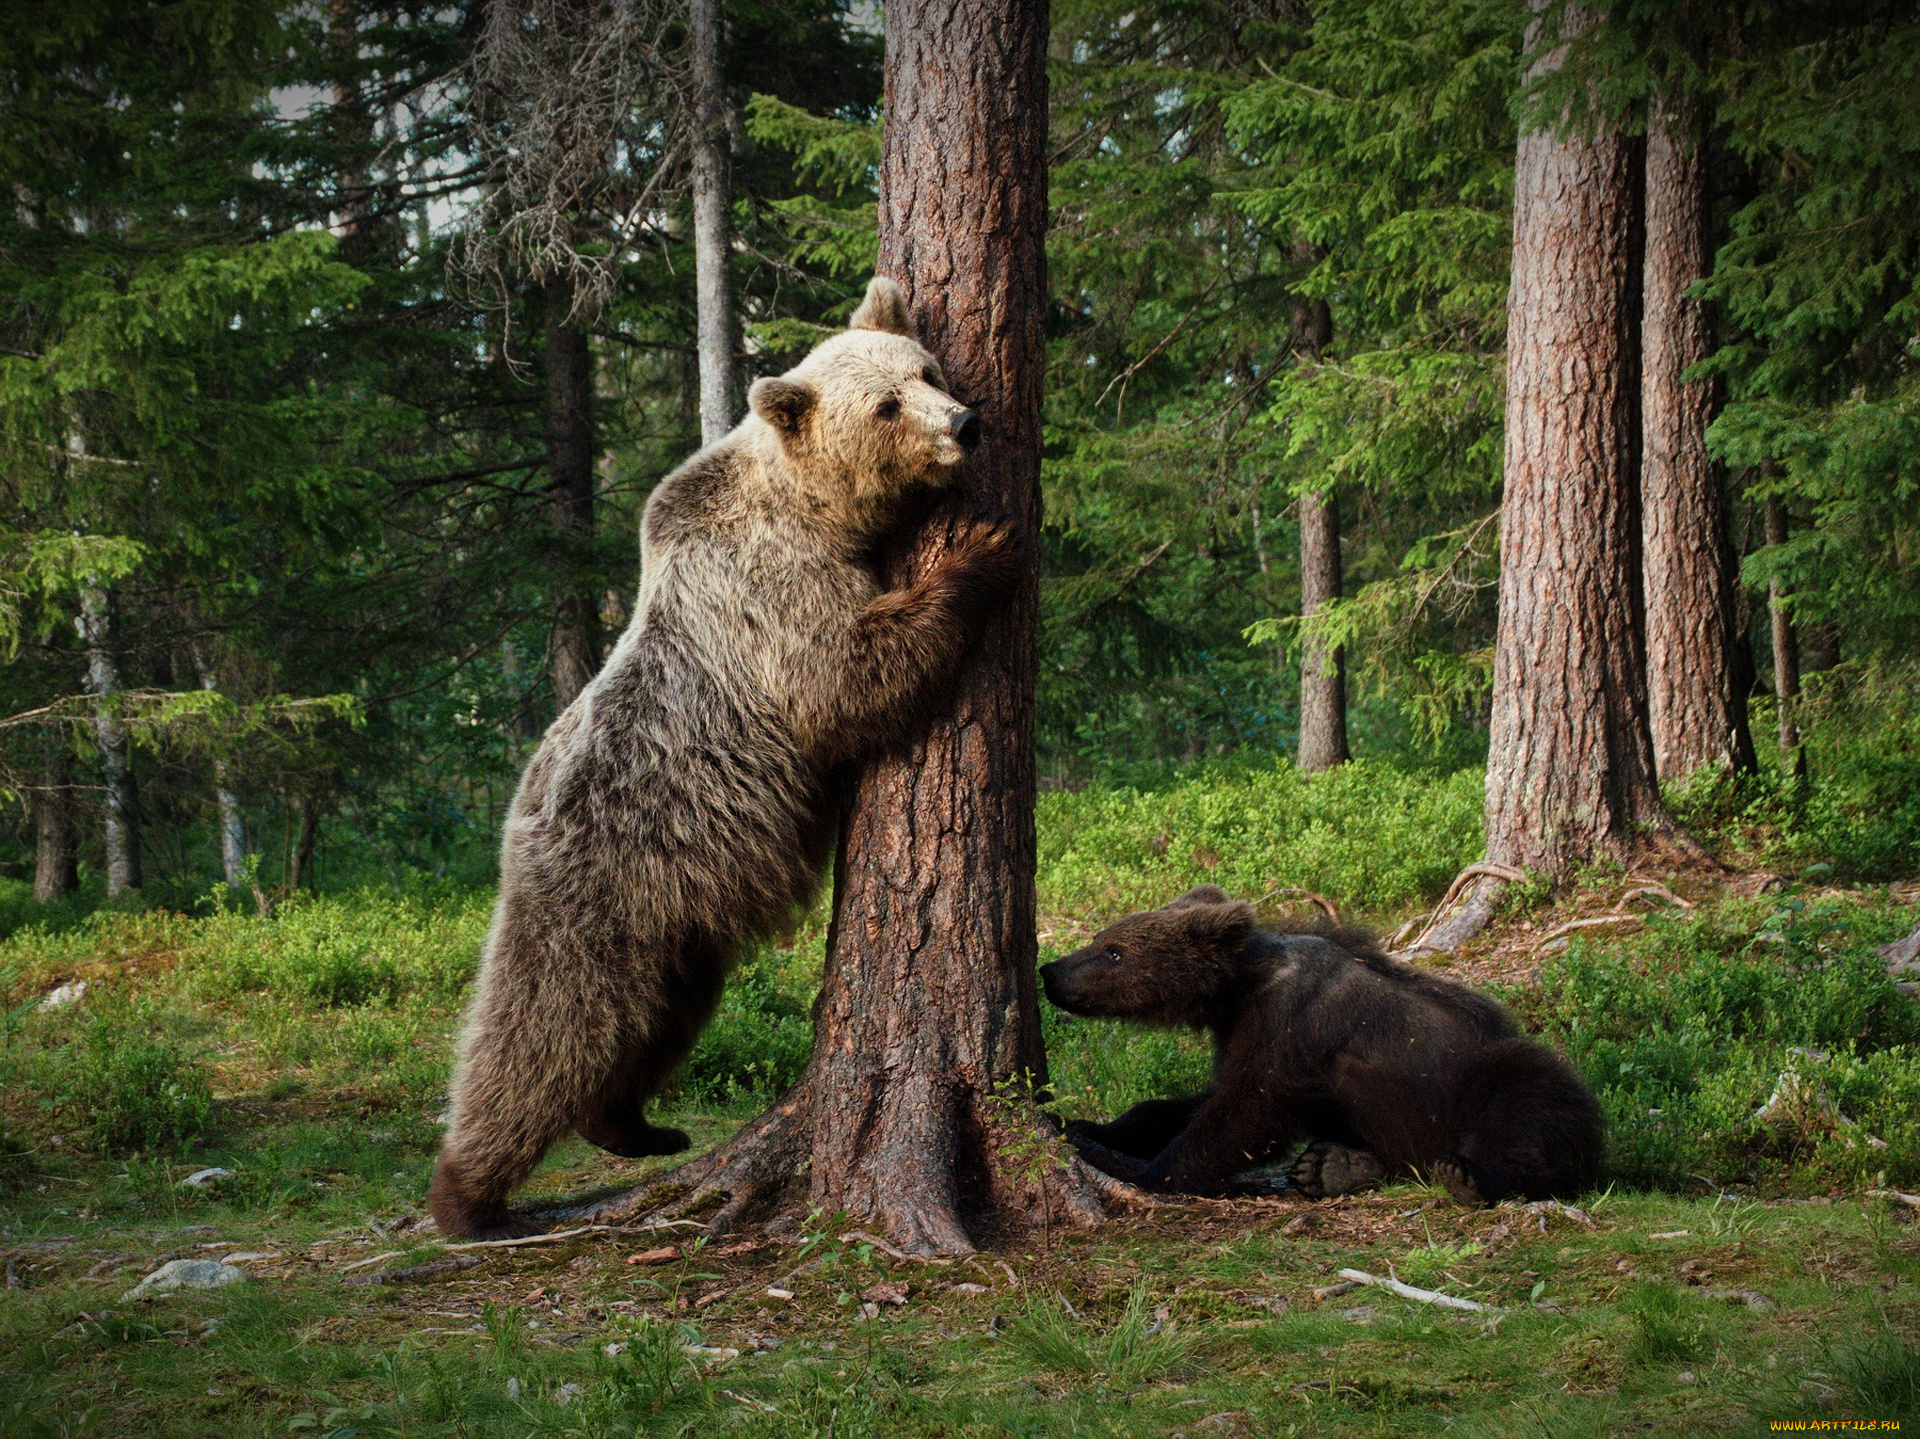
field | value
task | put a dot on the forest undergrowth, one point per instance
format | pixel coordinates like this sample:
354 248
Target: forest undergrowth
1735 1269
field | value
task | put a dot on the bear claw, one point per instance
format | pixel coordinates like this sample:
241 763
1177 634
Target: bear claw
1326 1170
1456 1177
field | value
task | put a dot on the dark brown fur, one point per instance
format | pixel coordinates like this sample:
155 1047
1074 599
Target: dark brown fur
683 804
1319 1036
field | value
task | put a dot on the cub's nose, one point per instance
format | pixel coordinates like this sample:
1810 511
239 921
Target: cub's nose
965 428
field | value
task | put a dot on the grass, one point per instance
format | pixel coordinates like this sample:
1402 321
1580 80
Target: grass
307 1054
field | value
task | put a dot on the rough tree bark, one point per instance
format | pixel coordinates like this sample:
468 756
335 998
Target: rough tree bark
1697 713
122 830
1323 674
1570 775
904 1119
712 224
575 646
233 830
56 851
1786 645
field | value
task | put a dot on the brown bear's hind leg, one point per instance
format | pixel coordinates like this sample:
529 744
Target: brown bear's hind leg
1326 1170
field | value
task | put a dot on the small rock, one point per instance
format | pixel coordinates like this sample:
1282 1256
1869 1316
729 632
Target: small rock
513 1391
614 1350
1359 1314
1752 1298
762 1343
566 1394
65 995
1685 1376
869 1310
201 1178
184 1274
711 1354
885 1293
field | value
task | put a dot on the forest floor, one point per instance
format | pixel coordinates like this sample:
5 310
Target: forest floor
1734 1275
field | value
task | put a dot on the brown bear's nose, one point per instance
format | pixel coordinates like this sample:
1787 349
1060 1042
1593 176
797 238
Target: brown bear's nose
965 427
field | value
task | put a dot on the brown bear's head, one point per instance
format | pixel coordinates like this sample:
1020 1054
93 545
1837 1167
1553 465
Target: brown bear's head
866 417
1166 966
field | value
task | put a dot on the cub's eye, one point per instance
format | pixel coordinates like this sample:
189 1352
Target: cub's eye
1112 956
889 410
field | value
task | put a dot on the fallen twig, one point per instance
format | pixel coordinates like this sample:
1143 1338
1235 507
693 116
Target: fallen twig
563 1234
363 1263
1328 1291
1407 1291
1912 1201
1658 891
1573 926
451 1265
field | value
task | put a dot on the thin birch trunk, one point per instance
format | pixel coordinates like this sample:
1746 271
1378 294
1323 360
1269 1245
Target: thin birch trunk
712 225
122 837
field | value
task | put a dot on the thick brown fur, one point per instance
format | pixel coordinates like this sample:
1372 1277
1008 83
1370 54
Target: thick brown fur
1319 1036
683 804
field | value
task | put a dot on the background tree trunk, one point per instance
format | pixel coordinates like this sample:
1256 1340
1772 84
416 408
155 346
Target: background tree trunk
928 1006
56 855
1570 769
1697 714
575 648
1786 646
712 224
122 829
1323 675
233 830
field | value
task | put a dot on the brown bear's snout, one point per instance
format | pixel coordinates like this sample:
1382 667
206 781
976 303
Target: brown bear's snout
965 429
1072 985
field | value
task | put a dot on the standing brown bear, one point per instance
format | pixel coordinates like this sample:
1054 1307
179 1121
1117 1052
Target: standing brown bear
1319 1036
685 802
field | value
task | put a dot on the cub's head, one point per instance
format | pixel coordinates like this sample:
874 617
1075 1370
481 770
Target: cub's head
867 416
1165 966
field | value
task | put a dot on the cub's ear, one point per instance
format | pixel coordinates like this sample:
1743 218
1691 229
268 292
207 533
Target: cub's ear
1201 894
781 403
1226 924
884 308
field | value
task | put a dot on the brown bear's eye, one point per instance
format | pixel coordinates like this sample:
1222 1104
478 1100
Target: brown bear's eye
930 377
1112 956
888 409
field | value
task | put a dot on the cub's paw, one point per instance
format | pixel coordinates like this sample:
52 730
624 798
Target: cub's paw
1107 1161
1326 1170
646 1139
1457 1175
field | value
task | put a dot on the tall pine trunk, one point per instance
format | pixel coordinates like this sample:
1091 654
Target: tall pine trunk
56 850
712 224
1323 669
121 831
1570 775
1696 711
911 1116
575 645
1786 646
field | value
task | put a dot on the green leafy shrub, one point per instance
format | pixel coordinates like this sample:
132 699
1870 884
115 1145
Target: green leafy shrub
760 1039
1685 1032
1367 836
133 1089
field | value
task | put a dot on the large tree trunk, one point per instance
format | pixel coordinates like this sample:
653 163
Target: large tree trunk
712 224
927 1010
56 852
122 829
1570 773
1323 671
1697 713
1786 646
575 647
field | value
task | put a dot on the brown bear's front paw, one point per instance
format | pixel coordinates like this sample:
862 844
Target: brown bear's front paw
988 556
1326 1170
1456 1175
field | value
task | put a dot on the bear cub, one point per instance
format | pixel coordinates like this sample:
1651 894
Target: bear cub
1319 1036
684 804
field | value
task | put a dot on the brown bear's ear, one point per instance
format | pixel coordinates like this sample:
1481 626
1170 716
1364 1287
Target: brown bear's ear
1228 923
781 403
1201 894
885 308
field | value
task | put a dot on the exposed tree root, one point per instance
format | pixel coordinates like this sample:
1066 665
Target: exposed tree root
1466 909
